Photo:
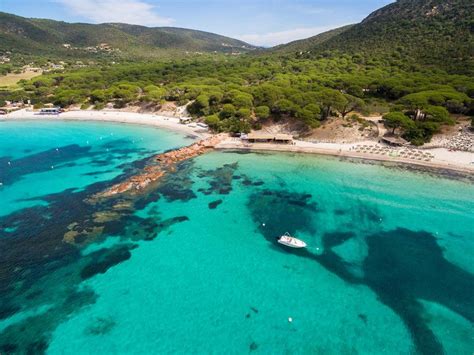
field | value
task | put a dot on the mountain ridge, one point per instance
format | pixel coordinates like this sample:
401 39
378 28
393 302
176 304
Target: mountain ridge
302 44
438 33
44 36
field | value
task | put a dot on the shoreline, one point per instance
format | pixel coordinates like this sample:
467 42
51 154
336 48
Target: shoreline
143 119
444 159
341 150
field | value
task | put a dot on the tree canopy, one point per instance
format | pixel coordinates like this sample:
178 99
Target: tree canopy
239 92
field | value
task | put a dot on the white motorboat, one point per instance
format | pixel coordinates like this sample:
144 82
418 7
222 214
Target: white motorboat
291 242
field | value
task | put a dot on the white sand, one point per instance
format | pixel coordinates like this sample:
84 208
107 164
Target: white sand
443 158
171 123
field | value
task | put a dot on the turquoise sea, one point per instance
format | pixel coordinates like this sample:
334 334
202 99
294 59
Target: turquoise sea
193 267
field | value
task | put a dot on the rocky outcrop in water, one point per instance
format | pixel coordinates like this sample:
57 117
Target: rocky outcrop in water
159 165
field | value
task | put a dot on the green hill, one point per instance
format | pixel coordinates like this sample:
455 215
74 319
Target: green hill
436 33
403 60
56 38
308 43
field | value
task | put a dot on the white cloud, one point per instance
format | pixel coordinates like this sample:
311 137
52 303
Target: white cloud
271 39
127 11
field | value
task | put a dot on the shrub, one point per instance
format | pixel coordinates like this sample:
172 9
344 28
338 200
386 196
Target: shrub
228 110
310 118
262 112
243 113
283 106
200 106
212 121
243 100
99 106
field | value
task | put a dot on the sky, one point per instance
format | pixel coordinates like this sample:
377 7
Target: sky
259 22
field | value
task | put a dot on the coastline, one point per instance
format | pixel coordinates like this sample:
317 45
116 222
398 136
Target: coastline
444 159
144 119
343 150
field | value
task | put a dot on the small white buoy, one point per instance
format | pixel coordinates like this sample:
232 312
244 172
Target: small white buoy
263 224
9 163
57 149
52 166
290 319
317 248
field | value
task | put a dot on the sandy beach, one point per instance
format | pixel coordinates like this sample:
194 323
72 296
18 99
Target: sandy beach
171 123
442 158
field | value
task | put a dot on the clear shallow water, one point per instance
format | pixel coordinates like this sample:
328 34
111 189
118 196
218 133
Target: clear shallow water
44 157
192 269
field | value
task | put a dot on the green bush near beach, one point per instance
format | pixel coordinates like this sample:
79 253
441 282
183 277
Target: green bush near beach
235 93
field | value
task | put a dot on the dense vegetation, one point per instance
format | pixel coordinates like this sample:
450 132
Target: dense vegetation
384 73
436 33
37 37
233 94
309 43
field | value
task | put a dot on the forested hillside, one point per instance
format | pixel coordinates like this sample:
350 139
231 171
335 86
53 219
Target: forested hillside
62 40
410 61
309 43
235 94
436 33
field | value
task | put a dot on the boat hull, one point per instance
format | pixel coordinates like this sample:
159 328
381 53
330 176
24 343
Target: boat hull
297 244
